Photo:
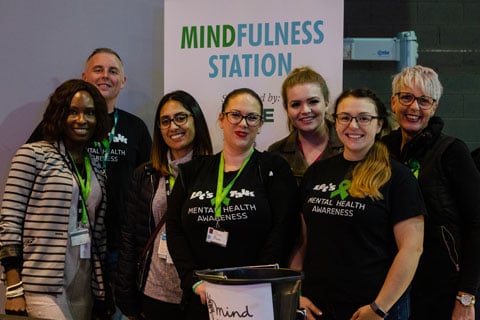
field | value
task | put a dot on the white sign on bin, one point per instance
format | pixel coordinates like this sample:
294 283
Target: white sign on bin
252 301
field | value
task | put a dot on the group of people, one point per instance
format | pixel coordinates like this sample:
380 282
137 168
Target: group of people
382 223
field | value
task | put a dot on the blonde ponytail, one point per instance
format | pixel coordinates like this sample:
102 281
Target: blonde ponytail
372 173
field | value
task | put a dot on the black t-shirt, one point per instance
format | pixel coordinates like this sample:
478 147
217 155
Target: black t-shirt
261 217
351 244
476 157
129 148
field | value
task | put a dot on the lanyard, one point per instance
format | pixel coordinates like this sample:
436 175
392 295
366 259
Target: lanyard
171 178
414 166
221 195
84 185
169 182
104 146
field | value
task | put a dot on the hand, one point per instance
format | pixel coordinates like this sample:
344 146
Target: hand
312 311
463 313
365 313
200 291
16 306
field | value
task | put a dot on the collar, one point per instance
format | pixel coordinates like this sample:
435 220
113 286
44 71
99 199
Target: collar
417 147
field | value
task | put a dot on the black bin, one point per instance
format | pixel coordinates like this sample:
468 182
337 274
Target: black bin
285 284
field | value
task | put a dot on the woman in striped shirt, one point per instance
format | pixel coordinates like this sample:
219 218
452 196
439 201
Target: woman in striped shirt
52 235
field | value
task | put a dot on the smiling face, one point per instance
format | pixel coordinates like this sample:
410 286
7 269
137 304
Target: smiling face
412 119
81 121
240 137
357 139
306 107
105 71
178 137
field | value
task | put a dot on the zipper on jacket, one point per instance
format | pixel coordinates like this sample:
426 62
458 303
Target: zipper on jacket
452 253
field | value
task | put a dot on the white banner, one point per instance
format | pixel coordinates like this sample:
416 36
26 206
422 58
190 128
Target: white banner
227 302
215 46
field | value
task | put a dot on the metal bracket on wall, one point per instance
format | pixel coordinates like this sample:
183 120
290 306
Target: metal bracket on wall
403 48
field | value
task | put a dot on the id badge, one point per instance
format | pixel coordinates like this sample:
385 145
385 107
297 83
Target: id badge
163 249
85 252
79 236
218 237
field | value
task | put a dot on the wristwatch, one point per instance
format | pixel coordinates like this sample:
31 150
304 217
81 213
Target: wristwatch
466 300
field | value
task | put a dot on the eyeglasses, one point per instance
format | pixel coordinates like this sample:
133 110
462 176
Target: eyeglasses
235 117
363 120
179 118
407 99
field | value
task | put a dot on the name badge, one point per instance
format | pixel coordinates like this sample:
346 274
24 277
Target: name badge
218 237
163 249
79 236
85 251
162 246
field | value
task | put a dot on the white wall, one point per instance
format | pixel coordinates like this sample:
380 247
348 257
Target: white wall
44 43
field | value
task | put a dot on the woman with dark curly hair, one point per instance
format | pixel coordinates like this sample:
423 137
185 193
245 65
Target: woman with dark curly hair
52 235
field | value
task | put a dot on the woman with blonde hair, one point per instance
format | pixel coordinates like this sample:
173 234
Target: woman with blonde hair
363 240
312 136
448 274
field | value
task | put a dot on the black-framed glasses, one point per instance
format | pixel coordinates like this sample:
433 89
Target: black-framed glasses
363 120
179 118
407 99
235 117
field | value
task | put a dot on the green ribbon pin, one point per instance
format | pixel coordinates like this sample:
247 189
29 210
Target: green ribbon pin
342 189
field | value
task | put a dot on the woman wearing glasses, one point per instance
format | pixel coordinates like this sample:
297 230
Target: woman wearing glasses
448 275
180 134
363 240
245 198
